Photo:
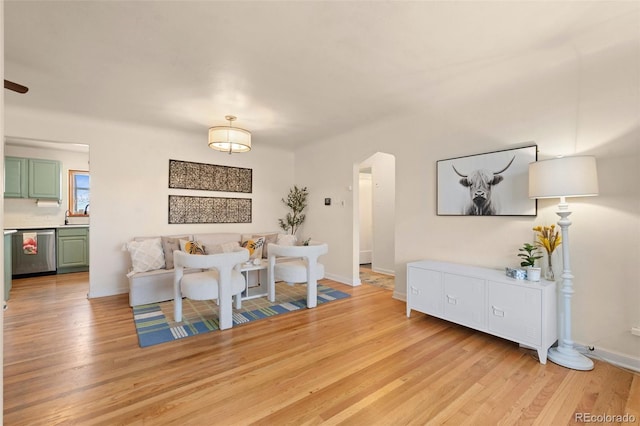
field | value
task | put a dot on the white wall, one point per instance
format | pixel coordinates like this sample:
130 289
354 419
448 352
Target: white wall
383 171
20 212
2 208
383 205
366 217
129 183
589 106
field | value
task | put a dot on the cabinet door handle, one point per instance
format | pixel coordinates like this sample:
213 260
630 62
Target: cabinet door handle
497 312
414 290
452 300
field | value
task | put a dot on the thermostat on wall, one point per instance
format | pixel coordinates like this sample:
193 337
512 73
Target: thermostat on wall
327 201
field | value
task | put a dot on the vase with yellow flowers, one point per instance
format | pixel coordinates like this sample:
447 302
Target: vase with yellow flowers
548 238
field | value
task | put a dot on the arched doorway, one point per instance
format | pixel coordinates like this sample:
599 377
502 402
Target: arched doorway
375 220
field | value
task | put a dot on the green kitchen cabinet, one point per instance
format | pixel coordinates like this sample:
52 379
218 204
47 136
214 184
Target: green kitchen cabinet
32 178
44 179
73 249
15 177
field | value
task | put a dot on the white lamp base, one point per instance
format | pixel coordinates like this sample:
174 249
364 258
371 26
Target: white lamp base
569 358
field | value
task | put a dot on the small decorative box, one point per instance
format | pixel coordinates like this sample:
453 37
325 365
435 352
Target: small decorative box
518 274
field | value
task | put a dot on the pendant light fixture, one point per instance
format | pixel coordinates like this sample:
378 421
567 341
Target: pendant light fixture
228 138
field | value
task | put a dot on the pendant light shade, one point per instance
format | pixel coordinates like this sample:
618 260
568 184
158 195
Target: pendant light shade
228 138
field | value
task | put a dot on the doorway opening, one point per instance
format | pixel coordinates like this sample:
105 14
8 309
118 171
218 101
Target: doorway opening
68 227
375 221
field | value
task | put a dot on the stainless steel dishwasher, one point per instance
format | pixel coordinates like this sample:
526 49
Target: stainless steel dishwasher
33 252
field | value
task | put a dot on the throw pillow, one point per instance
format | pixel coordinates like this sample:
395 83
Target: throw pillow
254 246
169 245
268 239
192 247
146 255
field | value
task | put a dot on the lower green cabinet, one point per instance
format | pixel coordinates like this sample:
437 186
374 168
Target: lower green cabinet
73 249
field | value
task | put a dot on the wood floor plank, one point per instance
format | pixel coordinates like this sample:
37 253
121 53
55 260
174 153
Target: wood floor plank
360 360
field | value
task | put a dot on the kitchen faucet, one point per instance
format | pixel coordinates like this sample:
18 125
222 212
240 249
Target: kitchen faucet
86 209
66 217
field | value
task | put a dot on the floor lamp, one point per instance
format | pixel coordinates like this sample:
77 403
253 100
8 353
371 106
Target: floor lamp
562 178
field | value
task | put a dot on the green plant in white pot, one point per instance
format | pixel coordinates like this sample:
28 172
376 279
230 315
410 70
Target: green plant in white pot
528 255
297 202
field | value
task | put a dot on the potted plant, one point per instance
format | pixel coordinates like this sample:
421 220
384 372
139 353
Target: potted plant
528 255
297 202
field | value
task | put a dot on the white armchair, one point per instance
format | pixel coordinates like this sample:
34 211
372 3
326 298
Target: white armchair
221 281
306 269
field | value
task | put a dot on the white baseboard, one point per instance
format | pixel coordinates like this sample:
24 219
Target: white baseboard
614 358
120 290
384 271
399 296
343 280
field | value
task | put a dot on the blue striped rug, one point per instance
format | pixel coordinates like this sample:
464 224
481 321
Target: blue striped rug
154 322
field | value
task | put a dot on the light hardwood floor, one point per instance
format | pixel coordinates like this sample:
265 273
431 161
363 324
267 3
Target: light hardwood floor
360 361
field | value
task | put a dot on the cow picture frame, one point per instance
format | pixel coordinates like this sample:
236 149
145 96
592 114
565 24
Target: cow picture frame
490 184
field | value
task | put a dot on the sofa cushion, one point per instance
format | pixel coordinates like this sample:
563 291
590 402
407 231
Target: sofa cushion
146 255
169 245
216 238
227 247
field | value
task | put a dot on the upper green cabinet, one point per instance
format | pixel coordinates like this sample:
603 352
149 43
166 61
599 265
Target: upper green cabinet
44 179
15 177
32 178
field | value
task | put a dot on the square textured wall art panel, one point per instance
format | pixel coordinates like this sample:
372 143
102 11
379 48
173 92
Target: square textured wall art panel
187 209
209 177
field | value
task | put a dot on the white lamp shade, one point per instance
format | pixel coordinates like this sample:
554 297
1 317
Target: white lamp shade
229 139
563 177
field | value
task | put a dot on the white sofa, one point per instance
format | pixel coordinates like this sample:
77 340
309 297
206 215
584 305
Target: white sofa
156 285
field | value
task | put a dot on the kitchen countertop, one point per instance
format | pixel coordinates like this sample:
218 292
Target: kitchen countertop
21 228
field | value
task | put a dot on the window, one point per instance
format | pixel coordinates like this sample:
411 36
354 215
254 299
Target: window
79 193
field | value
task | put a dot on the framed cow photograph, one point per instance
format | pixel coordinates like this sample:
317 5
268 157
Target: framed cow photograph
491 184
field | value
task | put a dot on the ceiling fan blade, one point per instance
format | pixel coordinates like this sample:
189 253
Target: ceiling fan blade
15 87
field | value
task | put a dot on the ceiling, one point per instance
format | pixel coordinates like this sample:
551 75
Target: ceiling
293 72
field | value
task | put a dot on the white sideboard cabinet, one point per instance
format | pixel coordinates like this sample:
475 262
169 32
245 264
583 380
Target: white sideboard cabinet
486 300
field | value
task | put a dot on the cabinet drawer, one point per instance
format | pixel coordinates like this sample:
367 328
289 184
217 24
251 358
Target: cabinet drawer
72 232
515 312
424 291
465 300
